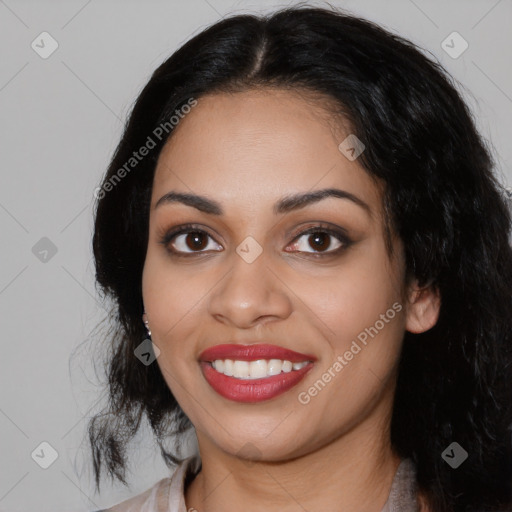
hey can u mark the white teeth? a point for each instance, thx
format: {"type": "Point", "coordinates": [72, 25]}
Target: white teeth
{"type": "Point", "coordinates": [287, 366]}
{"type": "Point", "coordinates": [274, 367]}
{"type": "Point", "coordinates": [258, 369]}
{"type": "Point", "coordinates": [255, 369]}
{"type": "Point", "coordinates": [219, 365]}
{"type": "Point", "coordinates": [241, 369]}
{"type": "Point", "coordinates": [228, 367]}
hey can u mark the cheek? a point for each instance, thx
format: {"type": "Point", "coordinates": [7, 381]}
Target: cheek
{"type": "Point", "coordinates": [175, 298]}
{"type": "Point", "coordinates": [357, 294]}
{"type": "Point", "coordinates": [170, 292]}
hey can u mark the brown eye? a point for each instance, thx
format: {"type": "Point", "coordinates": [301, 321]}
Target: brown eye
{"type": "Point", "coordinates": [196, 240]}
{"type": "Point", "coordinates": [191, 241]}
{"type": "Point", "coordinates": [319, 241]}
{"type": "Point", "coordinates": [187, 240]}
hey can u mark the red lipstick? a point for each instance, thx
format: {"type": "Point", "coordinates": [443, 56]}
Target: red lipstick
{"type": "Point", "coordinates": [252, 390]}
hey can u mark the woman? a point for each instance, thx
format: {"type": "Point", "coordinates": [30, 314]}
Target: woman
{"type": "Point", "coordinates": [305, 220]}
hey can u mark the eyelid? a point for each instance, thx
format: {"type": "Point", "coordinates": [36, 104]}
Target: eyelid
{"type": "Point", "coordinates": [323, 227]}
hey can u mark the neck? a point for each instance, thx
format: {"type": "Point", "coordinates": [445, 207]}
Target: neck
{"type": "Point", "coordinates": [355, 469]}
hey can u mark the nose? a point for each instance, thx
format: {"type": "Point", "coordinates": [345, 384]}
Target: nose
{"type": "Point", "coordinates": [250, 294]}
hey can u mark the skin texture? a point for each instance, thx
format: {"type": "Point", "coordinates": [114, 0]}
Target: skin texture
{"type": "Point", "coordinates": [246, 151]}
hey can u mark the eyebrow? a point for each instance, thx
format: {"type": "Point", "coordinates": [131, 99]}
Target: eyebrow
{"type": "Point", "coordinates": [284, 205]}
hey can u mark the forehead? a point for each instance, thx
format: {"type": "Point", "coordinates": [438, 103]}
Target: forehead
{"type": "Point", "coordinates": [258, 145]}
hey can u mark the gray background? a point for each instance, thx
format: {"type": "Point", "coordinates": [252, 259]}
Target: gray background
{"type": "Point", "coordinates": [60, 120]}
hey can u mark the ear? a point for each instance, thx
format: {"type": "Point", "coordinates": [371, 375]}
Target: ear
{"type": "Point", "coordinates": [423, 308]}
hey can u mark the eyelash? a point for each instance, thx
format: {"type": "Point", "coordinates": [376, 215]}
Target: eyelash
{"type": "Point", "coordinates": [168, 237]}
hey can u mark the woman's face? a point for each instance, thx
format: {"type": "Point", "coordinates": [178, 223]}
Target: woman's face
{"type": "Point", "coordinates": [251, 276]}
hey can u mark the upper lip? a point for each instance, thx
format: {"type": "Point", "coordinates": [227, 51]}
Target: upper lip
{"type": "Point", "coordinates": [253, 353]}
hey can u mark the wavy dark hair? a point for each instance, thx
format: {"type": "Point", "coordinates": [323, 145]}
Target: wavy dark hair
{"type": "Point", "coordinates": [441, 197]}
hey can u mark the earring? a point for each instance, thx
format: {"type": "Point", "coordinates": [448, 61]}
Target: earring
{"type": "Point", "coordinates": [146, 323]}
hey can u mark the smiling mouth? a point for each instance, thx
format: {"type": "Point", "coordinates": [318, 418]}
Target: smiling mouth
{"type": "Point", "coordinates": [253, 373]}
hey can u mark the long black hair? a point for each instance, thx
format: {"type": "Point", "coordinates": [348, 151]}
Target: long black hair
{"type": "Point", "coordinates": [441, 197]}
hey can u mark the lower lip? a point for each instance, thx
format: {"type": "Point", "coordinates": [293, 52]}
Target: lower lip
{"type": "Point", "coordinates": [252, 390]}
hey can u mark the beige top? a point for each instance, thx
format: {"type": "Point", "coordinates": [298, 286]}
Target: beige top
{"type": "Point", "coordinates": [167, 495]}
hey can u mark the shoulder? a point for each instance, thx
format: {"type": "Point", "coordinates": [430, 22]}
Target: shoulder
{"type": "Point", "coordinates": [164, 496]}
{"type": "Point", "coordinates": [155, 496]}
